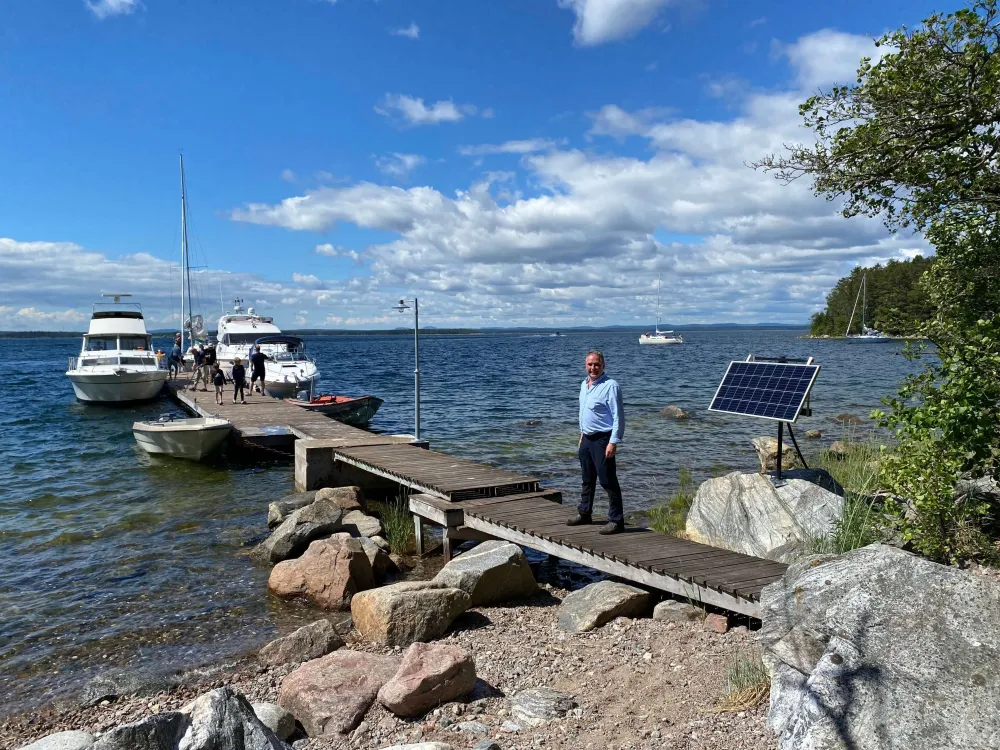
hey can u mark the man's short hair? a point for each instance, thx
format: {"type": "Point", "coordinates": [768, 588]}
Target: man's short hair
{"type": "Point", "coordinates": [598, 353]}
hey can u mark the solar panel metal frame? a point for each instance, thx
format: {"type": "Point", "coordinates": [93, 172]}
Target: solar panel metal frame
{"type": "Point", "coordinates": [805, 394]}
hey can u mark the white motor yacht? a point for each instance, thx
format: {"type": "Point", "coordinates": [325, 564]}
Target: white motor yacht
{"type": "Point", "coordinates": [288, 370]}
{"type": "Point", "coordinates": [116, 363]}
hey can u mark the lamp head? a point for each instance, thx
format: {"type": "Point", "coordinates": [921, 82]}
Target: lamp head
{"type": "Point", "coordinates": [402, 306]}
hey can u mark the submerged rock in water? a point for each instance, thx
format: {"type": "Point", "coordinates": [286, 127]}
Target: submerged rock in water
{"type": "Point", "coordinates": [848, 419]}
{"type": "Point", "coordinates": [814, 434]}
{"type": "Point", "coordinates": [747, 513]}
{"type": "Point", "coordinates": [879, 648]}
{"type": "Point", "coordinates": [674, 412]}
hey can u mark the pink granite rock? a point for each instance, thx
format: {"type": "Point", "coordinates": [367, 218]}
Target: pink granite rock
{"type": "Point", "coordinates": [330, 573]}
{"type": "Point", "coordinates": [430, 675]}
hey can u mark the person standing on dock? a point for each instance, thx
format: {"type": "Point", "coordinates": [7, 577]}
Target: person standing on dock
{"type": "Point", "coordinates": [174, 361]}
{"type": "Point", "coordinates": [201, 372]}
{"type": "Point", "coordinates": [239, 380]}
{"type": "Point", "coordinates": [257, 360]}
{"type": "Point", "coordinates": [602, 428]}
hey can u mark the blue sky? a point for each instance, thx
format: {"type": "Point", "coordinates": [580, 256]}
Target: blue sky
{"type": "Point", "coordinates": [511, 163]}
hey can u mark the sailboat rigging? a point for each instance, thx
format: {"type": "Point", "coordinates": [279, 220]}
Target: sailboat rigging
{"type": "Point", "coordinates": [658, 336]}
{"type": "Point", "coordinates": [867, 334]}
{"type": "Point", "coordinates": [195, 324]}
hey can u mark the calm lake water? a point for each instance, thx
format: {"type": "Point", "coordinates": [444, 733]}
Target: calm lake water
{"type": "Point", "coordinates": [111, 557]}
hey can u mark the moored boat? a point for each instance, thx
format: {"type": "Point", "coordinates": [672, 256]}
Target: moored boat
{"type": "Point", "coordinates": [182, 438]}
{"type": "Point", "coordinates": [354, 411]}
{"type": "Point", "coordinates": [116, 362]}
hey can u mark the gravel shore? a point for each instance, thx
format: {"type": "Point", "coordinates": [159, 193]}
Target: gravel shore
{"type": "Point", "coordinates": [638, 683]}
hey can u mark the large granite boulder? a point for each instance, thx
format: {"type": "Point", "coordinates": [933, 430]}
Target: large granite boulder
{"type": "Point", "coordinates": [279, 509]}
{"type": "Point", "coordinates": [275, 718]}
{"type": "Point", "coordinates": [431, 675]}
{"type": "Point", "coordinates": [330, 573]}
{"type": "Point", "coordinates": [490, 572]}
{"type": "Point", "coordinates": [219, 720]}
{"type": "Point", "coordinates": [358, 523]}
{"type": "Point", "coordinates": [881, 649]}
{"type": "Point", "coordinates": [405, 613]}
{"type": "Point", "coordinates": [332, 694]}
{"type": "Point", "coordinates": [600, 603]}
{"type": "Point", "coordinates": [305, 644]}
{"type": "Point", "coordinates": [71, 740]}
{"type": "Point", "coordinates": [747, 513]}
{"type": "Point", "coordinates": [767, 454]}
{"type": "Point", "coordinates": [301, 527]}
{"type": "Point", "coordinates": [345, 498]}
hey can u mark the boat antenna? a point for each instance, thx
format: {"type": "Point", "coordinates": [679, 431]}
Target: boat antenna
{"type": "Point", "coordinates": [185, 266]}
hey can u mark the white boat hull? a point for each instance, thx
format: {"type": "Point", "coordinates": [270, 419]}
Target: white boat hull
{"type": "Point", "coordinates": [112, 388]}
{"type": "Point", "coordinates": [183, 438]}
{"type": "Point", "coordinates": [287, 381]}
{"type": "Point", "coordinates": [654, 340]}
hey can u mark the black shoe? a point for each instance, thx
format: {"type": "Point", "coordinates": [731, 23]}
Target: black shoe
{"type": "Point", "coordinates": [580, 519]}
{"type": "Point", "coordinates": [612, 527]}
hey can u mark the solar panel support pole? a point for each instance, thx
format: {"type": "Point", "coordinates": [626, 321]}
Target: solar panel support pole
{"type": "Point", "coordinates": [777, 474]}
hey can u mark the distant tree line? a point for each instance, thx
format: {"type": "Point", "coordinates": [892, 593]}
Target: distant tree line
{"type": "Point", "coordinates": [895, 303]}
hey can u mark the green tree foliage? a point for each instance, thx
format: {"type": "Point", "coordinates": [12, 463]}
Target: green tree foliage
{"type": "Point", "coordinates": [916, 141]}
{"type": "Point", "coordinates": [896, 302]}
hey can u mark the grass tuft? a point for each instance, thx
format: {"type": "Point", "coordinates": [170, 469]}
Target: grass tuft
{"type": "Point", "coordinates": [670, 517]}
{"type": "Point", "coordinates": [397, 523]}
{"type": "Point", "coordinates": [747, 679]}
{"type": "Point", "coordinates": [858, 471]}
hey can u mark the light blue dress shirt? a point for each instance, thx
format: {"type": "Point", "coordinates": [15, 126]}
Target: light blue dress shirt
{"type": "Point", "coordinates": [601, 408]}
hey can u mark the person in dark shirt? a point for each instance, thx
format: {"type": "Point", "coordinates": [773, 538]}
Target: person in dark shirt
{"type": "Point", "coordinates": [174, 361]}
{"type": "Point", "coordinates": [257, 360]}
{"type": "Point", "coordinates": [239, 380]}
{"type": "Point", "coordinates": [219, 379]}
{"type": "Point", "coordinates": [208, 357]}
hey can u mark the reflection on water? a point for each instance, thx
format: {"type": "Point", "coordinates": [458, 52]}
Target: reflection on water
{"type": "Point", "coordinates": [111, 556]}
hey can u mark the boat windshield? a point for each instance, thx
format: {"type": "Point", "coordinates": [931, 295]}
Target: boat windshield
{"type": "Point", "coordinates": [289, 356]}
{"type": "Point", "coordinates": [149, 361]}
{"type": "Point", "coordinates": [237, 339]}
{"type": "Point", "coordinates": [134, 343]}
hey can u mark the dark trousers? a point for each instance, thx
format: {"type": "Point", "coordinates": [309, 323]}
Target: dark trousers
{"type": "Point", "coordinates": [597, 468]}
{"type": "Point", "coordinates": [238, 386]}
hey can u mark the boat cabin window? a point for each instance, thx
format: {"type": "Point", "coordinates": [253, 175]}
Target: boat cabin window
{"type": "Point", "coordinates": [149, 361]}
{"type": "Point", "coordinates": [238, 339]}
{"type": "Point", "coordinates": [94, 361]}
{"type": "Point", "coordinates": [101, 343]}
{"type": "Point", "coordinates": [131, 343]}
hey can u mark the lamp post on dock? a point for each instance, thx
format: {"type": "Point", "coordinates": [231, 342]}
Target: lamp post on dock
{"type": "Point", "coordinates": [403, 307]}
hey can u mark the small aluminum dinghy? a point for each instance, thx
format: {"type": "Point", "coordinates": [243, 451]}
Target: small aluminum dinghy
{"type": "Point", "coordinates": [184, 438]}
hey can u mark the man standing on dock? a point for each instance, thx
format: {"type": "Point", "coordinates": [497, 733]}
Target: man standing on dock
{"type": "Point", "coordinates": [602, 427]}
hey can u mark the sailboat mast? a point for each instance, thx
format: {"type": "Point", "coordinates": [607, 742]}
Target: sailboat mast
{"type": "Point", "coordinates": [864, 301]}
{"type": "Point", "coordinates": [657, 303]}
{"type": "Point", "coordinates": [185, 265]}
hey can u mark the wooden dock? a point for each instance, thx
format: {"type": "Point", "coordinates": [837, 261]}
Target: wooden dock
{"type": "Point", "coordinates": [471, 500]}
{"type": "Point", "coordinates": [272, 422]}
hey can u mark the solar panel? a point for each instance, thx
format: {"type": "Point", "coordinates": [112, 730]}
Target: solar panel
{"type": "Point", "coordinates": [770, 390]}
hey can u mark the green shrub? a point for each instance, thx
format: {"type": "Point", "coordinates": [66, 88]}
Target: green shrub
{"type": "Point", "coordinates": [858, 471]}
{"type": "Point", "coordinates": [670, 516]}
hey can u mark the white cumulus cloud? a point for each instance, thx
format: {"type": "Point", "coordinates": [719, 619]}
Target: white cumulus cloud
{"type": "Point", "coordinates": [527, 146]}
{"type": "Point", "coordinates": [104, 8]}
{"type": "Point", "coordinates": [399, 165]}
{"type": "Point", "coordinates": [829, 57]}
{"type": "Point", "coordinates": [415, 112]}
{"type": "Point", "coordinates": [600, 21]}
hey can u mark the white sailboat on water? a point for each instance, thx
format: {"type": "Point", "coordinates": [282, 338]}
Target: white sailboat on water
{"type": "Point", "coordinates": [658, 336]}
{"type": "Point", "coordinates": [867, 334]}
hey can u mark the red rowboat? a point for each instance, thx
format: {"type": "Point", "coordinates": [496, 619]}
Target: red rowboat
{"type": "Point", "coordinates": [355, 411]}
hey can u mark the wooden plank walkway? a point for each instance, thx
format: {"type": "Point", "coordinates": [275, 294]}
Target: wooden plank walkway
{"type": "Point", "coordinates": [268, 421]}
{"type": "Point", "coordinates": [464, 495]}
